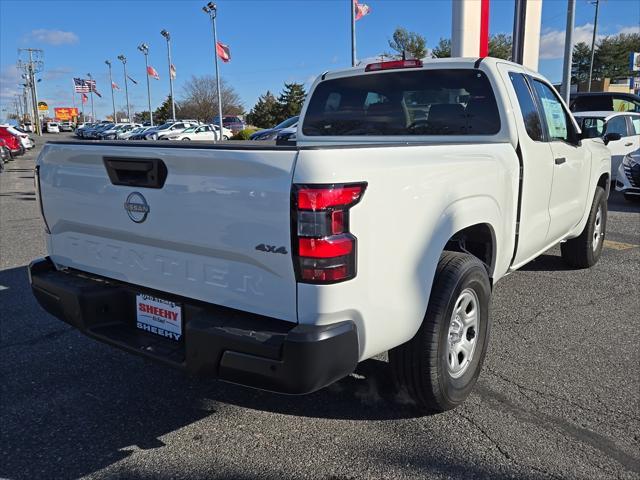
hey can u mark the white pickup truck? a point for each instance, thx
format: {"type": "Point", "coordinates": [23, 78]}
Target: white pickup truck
{"type": "Point", "coordinates": [412, 189]}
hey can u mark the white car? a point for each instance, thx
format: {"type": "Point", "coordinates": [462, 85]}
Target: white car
{"type": "Point", "coordinates": [25, 140]}
{"type": "Point", "coordinates": [628, 176]}
{"type": "Point", "coordinates": [604, 124]}
{"type": "Point", "coordinates": [53, 127]}
{"type": "Point", "coordinates": [202, 133]}
{"type": "Point", "coordinates": [413, 188]}
{"type": "Point", "coordinates": [119, 128]}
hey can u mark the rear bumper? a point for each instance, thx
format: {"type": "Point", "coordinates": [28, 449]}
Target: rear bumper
{"type": "Point", "coordinates": [219, 342]}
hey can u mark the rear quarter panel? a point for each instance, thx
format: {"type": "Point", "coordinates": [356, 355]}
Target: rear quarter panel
{"type": "Point", "coordinates": [417, 197]}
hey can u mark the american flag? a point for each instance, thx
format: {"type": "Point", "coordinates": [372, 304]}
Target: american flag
{"type": "Point", "coordinates": [92, 87]}
{"type": "Point", "coordinates": [81, 85]}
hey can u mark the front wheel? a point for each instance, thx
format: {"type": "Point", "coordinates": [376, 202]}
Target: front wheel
{"type": "Point", "coordinates": [585, 250]}
{"type": "Point", "coordinates": [186, 139]}
{"type": "Point", "coordinates": [225, 137]}
{"type": "Point", "coordinates": [439, 366]}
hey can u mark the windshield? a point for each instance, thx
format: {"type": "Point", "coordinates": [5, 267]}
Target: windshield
{"type": "Point", "coordinates": [165, 126]}
{"type": "Point", "coordinates": [287, 123]}
{"type": "Point", "coordinates": [423, 102]}
{"type": "Point", "coordinates": [592, 127]}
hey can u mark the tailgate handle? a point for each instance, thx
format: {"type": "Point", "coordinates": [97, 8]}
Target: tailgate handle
{"type": "Point", "coordinates": [136, 172]}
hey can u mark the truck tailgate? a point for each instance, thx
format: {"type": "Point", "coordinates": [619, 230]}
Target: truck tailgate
{"type": "Point", "coordinates": [195, 236]}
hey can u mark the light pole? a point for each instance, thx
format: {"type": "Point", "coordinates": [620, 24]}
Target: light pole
{"type": "Point", "coordinates": [593, 43]}
{"type": "Point", "coordinates": [167, 35]}
{"type": "Point", "coordinates": [91, 89]}
{"type": "Point", "coordinates": [113, 100]}
{"type": "Point", "coordinates": [123, 59]}
{"type": "Point", "coordinates": [212, 10]}
{"type": "Point", "coordinates": [144, 48]}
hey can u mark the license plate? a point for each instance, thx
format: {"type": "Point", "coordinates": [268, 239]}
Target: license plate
{"type": "Point", "coordinates": [159, 316]}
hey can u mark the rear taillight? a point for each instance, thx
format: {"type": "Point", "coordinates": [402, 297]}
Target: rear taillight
{"type": "Point", "coordinates": [36, 181]}
{"type": "Point", "coordinates": [324, 249]}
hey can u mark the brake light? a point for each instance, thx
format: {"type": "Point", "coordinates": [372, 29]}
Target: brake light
{"type": "Point", "coordinates": [373, 67]}
{"type": "Point", "coordinates": [325, 251]}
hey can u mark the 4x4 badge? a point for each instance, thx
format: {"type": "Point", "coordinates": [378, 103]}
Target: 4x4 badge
{"type": "Point", "coordinates": [271, 249]}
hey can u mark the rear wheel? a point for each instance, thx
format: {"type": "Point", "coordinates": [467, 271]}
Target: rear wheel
{"type": "Point", "coordinates": [186, 139]}
{"type": "Point", "coordinates": [439, 366]}
{"type": "Point", "coordinates": [585, 250]}
{"type": "Point", "coordinates": [225, 137]}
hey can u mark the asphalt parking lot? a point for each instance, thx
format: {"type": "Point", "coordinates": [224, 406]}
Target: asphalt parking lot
{"type": "Point", "coordinates": [559, 396]}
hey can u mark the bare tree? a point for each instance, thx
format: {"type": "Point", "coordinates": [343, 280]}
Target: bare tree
{"type": "Point", "coordinates": [200, 100]}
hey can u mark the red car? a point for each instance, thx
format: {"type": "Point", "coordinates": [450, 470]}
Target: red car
{"type": "Point", "coordinates": [13, 142]}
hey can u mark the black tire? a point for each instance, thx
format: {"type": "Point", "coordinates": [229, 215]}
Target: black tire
{"type": "Point", "coordinates": [632, 198]}
{"type": "Point", "coordinates": [420, 366]}
{"type": "Point", "coordinates": [580, 252]}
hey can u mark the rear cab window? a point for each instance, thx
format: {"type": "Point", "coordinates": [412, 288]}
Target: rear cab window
{"type": "Point", "coordinates": [402, 103]}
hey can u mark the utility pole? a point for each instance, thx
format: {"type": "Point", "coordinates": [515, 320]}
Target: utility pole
{"type": "Point", "coordinates": [167, 35]}
{"type": "Point", "coordinates": [593, 42]}
{"type": "Point", "coordinates": [212, 10]}
{"type": "Point", "coordinates": [568, 50]}
{"type": "Point", "coordinates": [113, 98]}
{"type": "Point", "coordinates": [144, 48]}
{"type": "Point", "coordinates": [33, 65]}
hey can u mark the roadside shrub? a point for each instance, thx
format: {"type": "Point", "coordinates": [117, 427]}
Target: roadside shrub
{"type": "Point", "coordinates": [244, 134]}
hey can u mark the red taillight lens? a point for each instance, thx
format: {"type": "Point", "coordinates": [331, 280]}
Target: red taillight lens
{"type": "Point", "coordinates": [325, 250]}
{"type": "Point", "coordinates": [373, 67]}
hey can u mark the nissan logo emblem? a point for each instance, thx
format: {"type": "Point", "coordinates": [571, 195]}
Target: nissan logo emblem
{"type": "Point", "coordinates": [137, 207]}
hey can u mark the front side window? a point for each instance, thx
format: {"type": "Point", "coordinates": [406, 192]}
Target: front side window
{"type": "Point", "coordinates": [422, 102]}
{"type": "Point", "coordinates": [617, 125]}
{"type": "Point", "coordinates": [530, 115]}
{"type": "Point", "coordinates": [554, 114]}
{"type": "Point", "coordinates": [592, 127]}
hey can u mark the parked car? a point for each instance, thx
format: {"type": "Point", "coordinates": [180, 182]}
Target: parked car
{"type": "Point", "coordinates": [132, 133]}
{"type": "Point", "coordinates": [233, 123]}
{"type": "Point", "coordinates": [28, 126]}
{"type": "Point", "coordinates": [113, 132]}
{"type": "Point", "coordinates": [13, 142]}
{"type": "Point", "coordinates": [94, 133]}
{"type": "Point", "coordinates": [619, 130]}
{"type": "Point", "coordinates": [414, 189]}
{"type": "Point", "coordinates": [287, 136]}
{"type": "Point", "coordinates": [5, 151]}
{"type": "Point", "coordinates": [628, 176]}
{"type": "Point", "coordinates": [24, 138]}
{"type": "Point", "coordinates": [201, 133]}
{"type": "Point", "coordinates": [66, 127]}
{"type": "Point", "coordinates": [272, 133]}
{"type": "Point", "coordinates": [604, 102]}
{"type": "Point", "coordinates": [83, 127]}
{"type": "Point", "coordinates": [52, 127]}
{"type": "Point", "coordinates": [168, 129]}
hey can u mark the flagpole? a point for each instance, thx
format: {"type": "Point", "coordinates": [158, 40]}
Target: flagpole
{"type": "Point", "coordinates": [167, 35]}
{"type": "Point", "coordinates": [93, 115]}
{"type": "Point", "coordinates": [73, 98]}
{"type": "Point", "coordinates": [353, 34]}
{"type": "Point", "coordinates": [113, 99]}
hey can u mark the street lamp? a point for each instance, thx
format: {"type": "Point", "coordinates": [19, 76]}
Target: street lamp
{"type": "Point", "coordinates": [167, 35]}
{"type": "Point", "coordinates": [211, 9]}
{"type": "Point", "coordinates": [123, 59]}
{"type": "Point", "coordinates": [144, 48]}
{"type": "Point", "coordinates": [113, 100]}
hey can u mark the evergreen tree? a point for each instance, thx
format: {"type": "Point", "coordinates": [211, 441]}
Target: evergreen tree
{"type": "Point", "coordinates": [443, 49]}
{"type": "Point", "coordinates": [163, 112]}
{"type": "Point", "coordinates": [612, 56]}
{"type": "Point", "coordinates": [412, 43]}
{"type": "Point", "coordinates": [290, 101]}
{"type": "Point", "coordinates": [500, 46]}
{"type": "Point", "coordinates": [580, 62]}
{"type": "Point", "coordinates": [265, 112]}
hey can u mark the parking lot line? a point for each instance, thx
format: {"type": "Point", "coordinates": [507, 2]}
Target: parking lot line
{"type": "Point", "coordinates": [619, 245]}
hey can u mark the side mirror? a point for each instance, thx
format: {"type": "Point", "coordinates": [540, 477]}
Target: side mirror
{"type": "Point", "coordinates": [611, 137]}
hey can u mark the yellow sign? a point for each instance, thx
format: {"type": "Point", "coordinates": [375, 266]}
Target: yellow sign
{"type": "Point", "coordinates": [42, 106]}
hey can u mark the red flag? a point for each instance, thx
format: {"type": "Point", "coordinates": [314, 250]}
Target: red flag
{"type": "Point", "coordinates": [172, 71]}
{"type": "Point", "coordinates": [85, 98]}
{"type": "Point", "coordinates": [115, 85]}
{"type": "Point", "coordinates": [223, 52]}
{"type": "Point", "coordinates": [152, 72]}
{"type": "Point", "coordinates": [361, 9]}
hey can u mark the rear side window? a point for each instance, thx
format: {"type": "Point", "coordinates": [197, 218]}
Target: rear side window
{"type": "Point", "coordinates": [635, 122]}
{"type": "Point", "coordinates": [530, 114]}
{"type": "Point", "coordinates": [423, 102]}
{"type": "Point", "coordinates": [592, 127]}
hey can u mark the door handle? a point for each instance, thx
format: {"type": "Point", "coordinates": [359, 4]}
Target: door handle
{"type": "Point", "coordinates": [628, 144]}
{"type": "Point", "coordinates": [560, 161]}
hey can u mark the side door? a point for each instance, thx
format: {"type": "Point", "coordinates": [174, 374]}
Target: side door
{"type": "Point", "coordinates": [572, 163]}
{"type": "Point", "coordinates": [205, 133]}
{"type": "Point", "coordinates": [619, 148]}
{"type": "Point", "coordinates": [536, 166]}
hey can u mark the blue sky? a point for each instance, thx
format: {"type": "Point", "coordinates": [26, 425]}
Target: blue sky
{"type": "Point", "coordinates": [271, 42]}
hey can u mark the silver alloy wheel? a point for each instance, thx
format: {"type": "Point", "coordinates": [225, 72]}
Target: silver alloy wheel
{"type": "Point", "coordinates": [463, 332]}
{"type": "Point", "coordinates": [597, 229]}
